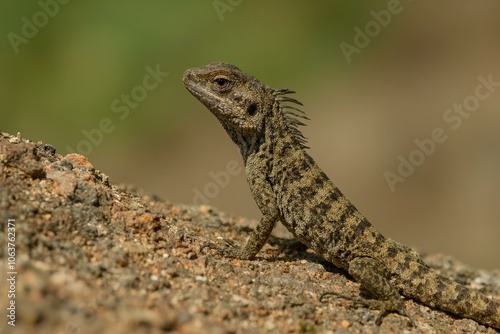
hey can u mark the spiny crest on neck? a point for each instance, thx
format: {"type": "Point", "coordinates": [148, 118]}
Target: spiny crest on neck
{"type": "Point", "coordinates": [292, 114]}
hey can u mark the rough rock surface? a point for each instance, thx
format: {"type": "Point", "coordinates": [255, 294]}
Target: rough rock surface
{"type": "Point", "coordinates": [92, 257]}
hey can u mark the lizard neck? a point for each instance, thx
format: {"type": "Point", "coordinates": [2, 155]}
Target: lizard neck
{"type": "Point", "coordinates": [273, 142]}
{"type": "Point", "coordinates": [249, 145]}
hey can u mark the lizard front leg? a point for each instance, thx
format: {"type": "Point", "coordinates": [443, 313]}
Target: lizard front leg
{"type": "Point", "coordinates": [264, 197]}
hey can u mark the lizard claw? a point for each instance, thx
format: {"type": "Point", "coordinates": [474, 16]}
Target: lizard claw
{"type": "Point", "coordinates": [331, 293]}
{"type": "Point", "coordinates": [232, 251]}
{"type": "Point", "coordinates": [209, 245]}
{"type": "Point", "coordinates": [220, 250]}
{"type": "Point", "coordinates": [230, 243]}
{"type": "Point", "coordinates": [372, 304]}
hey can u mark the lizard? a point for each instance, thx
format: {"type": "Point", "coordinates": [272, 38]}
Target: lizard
{"type": "Point", "coordinates": [288, 186]}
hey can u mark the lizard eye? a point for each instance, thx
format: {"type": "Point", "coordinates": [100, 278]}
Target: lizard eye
{"type": "Point", "coordinates": [221, 83]}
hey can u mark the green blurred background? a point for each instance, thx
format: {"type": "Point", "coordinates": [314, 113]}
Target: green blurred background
{"type": "Point", "coordinates": [60, 79]}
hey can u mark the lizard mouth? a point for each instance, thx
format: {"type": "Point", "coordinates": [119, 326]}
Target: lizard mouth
{"type": "Point", "coordinates": [198, 90]}
{"type": "Point", "coordinates": [189, 80]}
{"type": "Point", "coordinates": [211, 100]}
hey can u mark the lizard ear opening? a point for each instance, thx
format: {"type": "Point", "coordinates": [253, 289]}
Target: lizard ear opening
{"type": "Point", "coordinates": [252, 109]}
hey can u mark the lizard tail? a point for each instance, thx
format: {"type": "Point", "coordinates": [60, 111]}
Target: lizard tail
{"type": "Point", "coordinates": [438, 291]}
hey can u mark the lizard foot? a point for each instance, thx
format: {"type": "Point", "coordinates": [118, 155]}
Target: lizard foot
{"type": "Point", "coordinates": [384, 306]}
{"type": "Point", "coordinates": [232, 251]}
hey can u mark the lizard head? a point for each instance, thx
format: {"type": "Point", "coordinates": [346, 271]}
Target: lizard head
{"type": "Point", "coordinates": [239, 101]}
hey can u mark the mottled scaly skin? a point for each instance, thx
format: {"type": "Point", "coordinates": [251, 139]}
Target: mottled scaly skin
{"type": "Point", "coordinates": [289, 187]}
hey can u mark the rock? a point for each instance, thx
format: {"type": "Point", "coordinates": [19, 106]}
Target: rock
{"type": "Point", "coordinates": [93, 257]}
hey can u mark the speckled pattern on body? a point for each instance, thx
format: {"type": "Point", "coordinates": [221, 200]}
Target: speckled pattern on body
{"type": "Point", "coordinates": [288, 186]}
